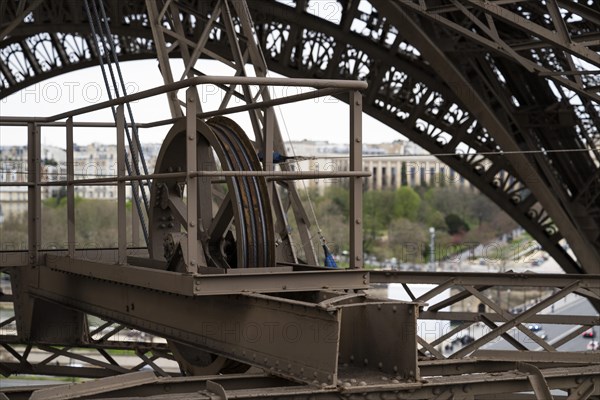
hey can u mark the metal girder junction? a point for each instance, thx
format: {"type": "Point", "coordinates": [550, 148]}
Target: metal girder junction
{"type": "Point", "coordinates": [81, 284]}
{"type": "Point", "coordinates": [582, 382]}
{"type": "Point", "coordinates": [405, 93]}
{"type": "Point", "coordinates": [303, 337]}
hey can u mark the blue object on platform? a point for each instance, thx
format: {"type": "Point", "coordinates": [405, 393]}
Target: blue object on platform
{"type": "Point", "coordinates": [329, 261]}
{"type": "Point", "coordinates": [277, 157]}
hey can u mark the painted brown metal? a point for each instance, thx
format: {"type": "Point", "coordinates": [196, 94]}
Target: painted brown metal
{"type": "Point", "coordinates": [217, 282]}
{"type": "Point", "coordinates": [301, 338]}
{"type": "Point", "coordinates": [497, 384]}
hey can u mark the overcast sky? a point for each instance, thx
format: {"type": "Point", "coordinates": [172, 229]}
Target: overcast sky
{"type": "Point", "coordinates": [318, 119]}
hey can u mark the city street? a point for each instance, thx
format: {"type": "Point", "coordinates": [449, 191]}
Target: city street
{"type": "Point", "coordinates": [577, 306]}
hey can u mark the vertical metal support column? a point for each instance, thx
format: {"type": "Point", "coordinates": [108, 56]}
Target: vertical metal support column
{"type": "Point", "coordinates": [135, 217]}
{"type": "Point", "coordinates": [356, 234]}
{"type": "Point", "coordinates": [192, 181]}
{"type": "Point", "coordinates": [34, 194]}
{"type": "Point", "coordinates": [70, 190]}
{"type": "Point", "coordinates": [155, 19]}
{"type": "Point", "coordinates": [268, 146]}
{"type": "Point", "coordinates": [135, 226]}
{"type": "Point", "coordinates": [432, 249]}
{"type": "Point", "coordinates": [122, 223]}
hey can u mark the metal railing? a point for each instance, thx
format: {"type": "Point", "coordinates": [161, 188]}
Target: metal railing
{"type": "Point", "coordinates": [322, 88]}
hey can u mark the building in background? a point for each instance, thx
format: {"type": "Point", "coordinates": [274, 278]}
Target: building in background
{"type": "Point", "coordinates": [392, 165]}
{"type": "Point", "coordinates": [91, 161]}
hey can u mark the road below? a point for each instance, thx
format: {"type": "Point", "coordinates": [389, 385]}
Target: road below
{"type": "Point", "coordinates": [555, 332]}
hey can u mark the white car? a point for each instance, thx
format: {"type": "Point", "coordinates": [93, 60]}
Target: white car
{"type": "Point", "coordinates": [542, 334]}
{"type": "Point", "coordinates": [592, 345]}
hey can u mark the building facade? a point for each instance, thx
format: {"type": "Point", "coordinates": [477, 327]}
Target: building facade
{"type": "Point", "coordinates": [95, 160]}
{"type": "Point", "coordinates": [391, 165]}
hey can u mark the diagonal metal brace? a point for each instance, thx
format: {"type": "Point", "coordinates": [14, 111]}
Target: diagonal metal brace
{"type": "Point", "coordinates": [537, 380]}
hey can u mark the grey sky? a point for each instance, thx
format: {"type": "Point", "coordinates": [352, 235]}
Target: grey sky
{"type": "Point", "coordinates": [319, 119]}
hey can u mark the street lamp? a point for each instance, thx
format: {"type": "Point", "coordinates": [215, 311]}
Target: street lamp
{"type": "Point", "coordinates": [432, 248]}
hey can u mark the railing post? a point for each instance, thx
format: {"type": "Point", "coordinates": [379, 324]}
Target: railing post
{"type": "Point", "coordinates": [192, 181]}
{"type": "Point", "coordinates": [268, 146]}
{"type": "Point", "coordinates": [356, 225]}
{"type": "Point", "coordinates": [34, 164]}
{"type": "Point", "coordinates": [135, 189]}
{"type": "Point", "coordinates": [122, 223]}
{"type": "Point", "coordinates": [70, 190]}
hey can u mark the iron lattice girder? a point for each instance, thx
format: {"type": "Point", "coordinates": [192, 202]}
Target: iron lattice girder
{"type": "Point", "coordinates": [435, 120]}
{"type": "Point", "coordinates": [545, 183]}
{"type": "Point", "coordinates": [427, 126]}
{"type": "Point", "coordinates": [489, 24]}
{"type": "Point", "coordinates": [525, 280]}
{"type": "Point", "coordinates": [303, 337]}
{"type": "Point", "coordinates": [212, 284]}
{"type": "Point", "coordinates": [419, 116]}
{"type": "Point", "coordinates": [502, 28]}
{"type": "Point", "coordinates": [498, 382]}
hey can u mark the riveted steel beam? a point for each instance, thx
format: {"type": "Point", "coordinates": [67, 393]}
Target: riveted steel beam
{"type": "Point", "coordinates": [261, 280]}
{"type": "Point", "coordinates": [293, 337]}
{"type": "Point", "coordinates": [487, 383]}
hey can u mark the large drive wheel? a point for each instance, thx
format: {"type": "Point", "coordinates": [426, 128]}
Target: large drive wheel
{"type": "Point", "coordinates": [235, 228]}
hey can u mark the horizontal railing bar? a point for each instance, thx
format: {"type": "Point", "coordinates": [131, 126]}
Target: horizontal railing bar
{"type": "Point", "coordinates": [198, 80]}
{"type": "Point", "coordinates": [270, 103]}
{"type": "Point", "coordinates": [273, 175]}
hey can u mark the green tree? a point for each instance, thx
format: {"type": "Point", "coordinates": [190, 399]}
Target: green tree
{"type": "Point", "coordinates": [403, 175]}
{"type": "Point", "coordinates": [456, 224]}
{"type": "Point", "coordinates": [378, 209]}
{"type": "Point", "coordinates": [407, 239]}
{"type": "Point", "coordinates": [406, 203]}
{"type": "Point", "coordinates": [340, 200]}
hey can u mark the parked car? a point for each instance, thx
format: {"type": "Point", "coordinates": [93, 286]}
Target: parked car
{"type": "Point", "coordinates": [541, 334]}
{"type": "Point", "coordinates": [537, 262]}
{"type": "Point", "coordinates": [589, 333]}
